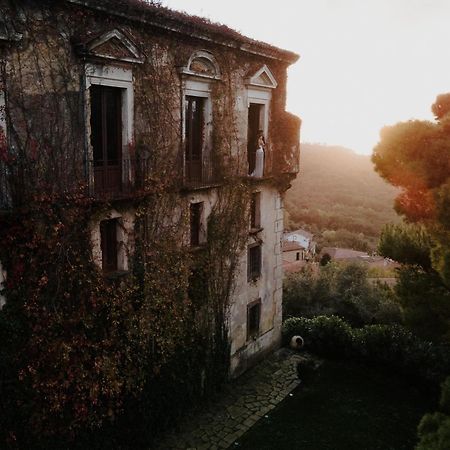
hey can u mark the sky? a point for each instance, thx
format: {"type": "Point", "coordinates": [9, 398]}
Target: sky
{"type": "Point", "coordinates": [363, 64]}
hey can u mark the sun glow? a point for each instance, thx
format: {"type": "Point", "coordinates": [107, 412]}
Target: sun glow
{"type": "Point", "coordinates": [363, 64]}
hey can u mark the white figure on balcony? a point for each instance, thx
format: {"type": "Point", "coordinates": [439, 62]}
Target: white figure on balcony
{"type": "Point", "coordinates": [258, 172]}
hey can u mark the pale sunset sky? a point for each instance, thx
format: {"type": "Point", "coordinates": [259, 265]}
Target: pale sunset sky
{"type": "Point", "coordinates": [363, 63]}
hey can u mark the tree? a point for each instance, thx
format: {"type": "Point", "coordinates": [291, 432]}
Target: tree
{"type": "Point", "coordinates": [339, 289]}
{"type": "Point", "coordinates": [434, 428]}
{"type": "Point", "coordinates": [415, 156]}
{"type": "Point", "coordinates": [406, 244]}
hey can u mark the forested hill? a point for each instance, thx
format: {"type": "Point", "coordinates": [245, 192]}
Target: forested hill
{"type": "Point", "coordinates": [339, 197]}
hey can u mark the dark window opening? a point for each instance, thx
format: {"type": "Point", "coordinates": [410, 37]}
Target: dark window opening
{"type": "Point", "coordinates": [196, 210]}
{"type": "Point", "coordinates": [298, 256]}
{"type": "Point", "coordinates": [255, 210]}
{"type": "Point", "coordinates": [106, 137]}
{"type": "Point", "coordinates": [254, 263]}
{"type": "Point", "coordinates": [253, 319]}
{"type": "Point", "coordinates": [255, 111]}
{"type": "Point", "coordinates": [195, 121]}
{"type": "Point", "coordinates": [108, 240]}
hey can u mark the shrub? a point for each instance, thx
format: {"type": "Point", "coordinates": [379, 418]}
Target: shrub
{"type": "Point", "coordinates": [389, 345]}
{"type": "Point", "coordinates": [434, 428]}
{"type": "Point", "coordinates": [328, 335]}
{"type": "Point", "coordinates": [342, 290]}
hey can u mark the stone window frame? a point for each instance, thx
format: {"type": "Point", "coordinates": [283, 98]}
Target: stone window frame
{"type": "Point", "coordinates": [261, 94]}
{"type": "Point", "coordinates": [255, 212]}
{"type": "Point", "coordinates": [202, 89]}
{"type": "Point", "coordinates": [195, 84]}
{"type": "Point", "coordinates": [254, 275]}
{"type": "Point", "coordinates": [123, 242]}
{"type": "Point", "coordinates": [263, 97]}
{"type": "Point", "coordinates": [254, 330]}
{"type": "Point", "coordinates": [117, 77]}
{"type": "Point", "coordinates": [211, 61]}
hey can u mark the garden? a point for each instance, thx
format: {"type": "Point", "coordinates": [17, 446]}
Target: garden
{"type": "Point", "coordinates": [371, 387]}
{"type": "Point", "coordinates": [344, 406]}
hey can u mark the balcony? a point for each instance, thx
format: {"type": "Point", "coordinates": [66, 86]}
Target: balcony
{"type": "Point", "coordinates": [200, 173]}
{"type": "Point", "coordinates": [118, 179]}
{"type": "Point", "coordinates": [124, 179]}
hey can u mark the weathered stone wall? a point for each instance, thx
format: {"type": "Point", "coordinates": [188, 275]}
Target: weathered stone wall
{"type": "Point", "coordinates": [268, 287]}
{"type": "Point", "coordinates": [46, 110]}
{"type": "Point", "coordinates": [44, 77]}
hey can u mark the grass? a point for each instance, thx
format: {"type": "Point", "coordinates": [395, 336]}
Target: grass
{"type": "Point", "coordinates": [344, 406]}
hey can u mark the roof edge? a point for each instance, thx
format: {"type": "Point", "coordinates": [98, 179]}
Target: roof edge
{"type": "Point", "coordinates": [241, 43]}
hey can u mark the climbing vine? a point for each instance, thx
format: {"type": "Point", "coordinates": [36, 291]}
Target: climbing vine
{"type": "Point", "coordinates": [81, 350]}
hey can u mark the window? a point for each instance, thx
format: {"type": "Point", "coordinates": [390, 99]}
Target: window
{"type": "Point", "coordinates": [259, 95]}
{"type": "Point", "coordinates": [253, 319]}
{"type": "Point", "coordinates": [297, 256]}
{"type": "Point", "coordinates": [109, 100]}
{"type": "Point", "coordinates": [254, 262]}
{"type": "Point", "coordinates": [194, 129]}
{"type": "Point", "coordinates": [196, 212]}
{"type": "Point", "coordinates": [111, 243]}
{"type": "Point", "coordinates": [255, 211]}
{"type": "Point", "coordinates": [109, 247]}
{"type": "Point", "coordinates": [106, 137]}
{"type": "Point", "coordinates": [198, 78]}
{"type": "Point", "coordinates": [255, 126]}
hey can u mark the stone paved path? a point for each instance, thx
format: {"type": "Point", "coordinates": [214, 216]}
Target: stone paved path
{"type": "Point", "coordinates": [243, 402]}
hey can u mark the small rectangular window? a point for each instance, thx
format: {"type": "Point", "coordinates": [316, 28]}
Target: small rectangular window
{"type": "Point", "coordinates": [196, 210]}
{"type": "Point", "coordinates": [298, 256]}
{"type": "Point", "coordinates": [109, 247]}
{"type": "Point", "coordinates": [253, 319]}
{"type": "Point", "coordinates": [254, 262]}
{"type": "Point", "coordinates": [255, 210]}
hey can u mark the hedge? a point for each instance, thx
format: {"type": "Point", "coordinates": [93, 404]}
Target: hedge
{"type": "Point", "coordinates": [389, 345]}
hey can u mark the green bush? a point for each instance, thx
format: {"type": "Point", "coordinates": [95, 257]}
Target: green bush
{"type": "Point", "coordinates": [330, 334]}
{"type": "Point", "coordinates": [389, 345]}
{"type": "Point", "coordinates": [445, 396]}
{"type": "Point", "coordinates": [343, 290]}
{"type": "Point", "coordinates": [434, 428]}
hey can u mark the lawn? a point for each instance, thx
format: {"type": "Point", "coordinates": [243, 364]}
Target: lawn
{"type": "Point", "coordinates": [344, 406]}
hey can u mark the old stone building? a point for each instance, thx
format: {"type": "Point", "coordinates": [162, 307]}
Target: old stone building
{"type": "Point", "coordinates": [120, 104]}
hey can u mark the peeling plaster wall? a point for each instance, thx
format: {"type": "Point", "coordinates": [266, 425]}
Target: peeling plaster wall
{"type": "Point", "coordinates": [268, 288]}
{"type": "Point", "coordinates": [124, 238]}
{"type": "Point", "coordinates": [163, 58]}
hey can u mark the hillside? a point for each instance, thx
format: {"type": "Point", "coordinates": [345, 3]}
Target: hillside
{"type": "Point", "coordinates": [339, 197]}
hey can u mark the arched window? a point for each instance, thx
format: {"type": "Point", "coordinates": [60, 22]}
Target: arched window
{"type": "Point", "coordinates": [202, 64]}
{"type": "Point", "coordinates": [200, 72]}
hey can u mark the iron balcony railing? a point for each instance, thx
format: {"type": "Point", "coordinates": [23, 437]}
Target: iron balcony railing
{"type": "Point", "coordinates": [201, 172]}
{"type": "Point", "coordinates": [118, 178]}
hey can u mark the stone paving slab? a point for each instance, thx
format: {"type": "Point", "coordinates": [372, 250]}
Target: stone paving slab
{"type": "Point", "coordinates": [243, 402]}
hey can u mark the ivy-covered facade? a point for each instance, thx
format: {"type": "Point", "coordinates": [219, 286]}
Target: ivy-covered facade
{"type": "Point", "coordinates": [144, 155]}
